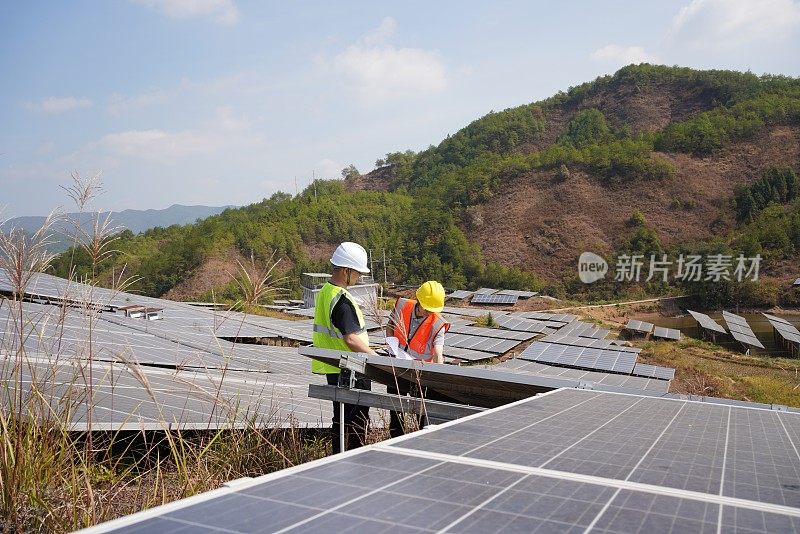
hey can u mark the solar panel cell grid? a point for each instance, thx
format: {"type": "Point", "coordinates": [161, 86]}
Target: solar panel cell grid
{"type": "Point", "coordinates": [494, 299]}
{"type": "Point", "coordinates": [570, 460]}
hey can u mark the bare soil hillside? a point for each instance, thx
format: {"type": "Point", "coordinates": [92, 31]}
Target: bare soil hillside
{"type": "Point", "coordinates": [542, 223]}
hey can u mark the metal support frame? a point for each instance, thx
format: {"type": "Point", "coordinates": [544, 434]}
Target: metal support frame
{"type": "Point", "coordinates": [435, 410]}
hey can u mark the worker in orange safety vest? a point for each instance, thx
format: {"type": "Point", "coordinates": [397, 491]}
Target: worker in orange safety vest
{"type": "Point", "coordinates": [420, 332]}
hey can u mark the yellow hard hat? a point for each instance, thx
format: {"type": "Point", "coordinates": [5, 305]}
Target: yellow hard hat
{"type": "Point", "coordinates": [430, 296]}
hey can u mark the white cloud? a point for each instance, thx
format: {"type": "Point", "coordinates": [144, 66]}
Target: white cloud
{"type": "Point", "coordinates": [224, 130]}
{"type": "Point", "coordinates": [734, 22]}
{"type": "Point", "coordinates": [622, 55]}
{"type": "Point", "coordinates": [55, 105]}
{"type": "Point", "coordinates": [119, 104]}
{"type": "Point", "coordinates": [379, 72]}
{"type": "Point", "coordinates": [380, 34]}
{"type": "Point", "coordinates": [221, 11]}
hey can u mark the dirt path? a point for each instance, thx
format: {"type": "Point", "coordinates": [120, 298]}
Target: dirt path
{"type": "Point", "coordinates": [626, 303]}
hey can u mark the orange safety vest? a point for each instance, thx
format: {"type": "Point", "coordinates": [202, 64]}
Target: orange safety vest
{"type": "Point", "coordinates": [420, 346]}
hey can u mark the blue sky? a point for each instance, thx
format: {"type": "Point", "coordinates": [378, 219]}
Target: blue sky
{"type": "Point", "coordinates": [225, 102]}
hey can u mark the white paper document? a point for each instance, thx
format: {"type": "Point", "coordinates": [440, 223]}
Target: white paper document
{"type": "Point", "coordinates": [394, 349]}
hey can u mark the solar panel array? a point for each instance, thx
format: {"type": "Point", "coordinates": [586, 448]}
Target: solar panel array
{"type": "Point", "coordinates": [617, 361]}
{"type": "Point", "coordinates": [563, 318]}
{"type": "Point", "coordinates": [459, 294]}
{"type": "Point", "coordinates": [518, 293]}
{"type": "Point", "coordinates": [784, 328]}
{"type": "Point", "coordinates": [131, 397]}
{"type": "Point", "coordinates": [582, 329]}
{"type": "Point", "coordinates": [494, 299]}
{"type": "Point", "coordinates": [523, 325]}
{"type": "Point", "coordinates": [707, 322]}
{"type": "Point", "coordinates": [485, 344]}
{"type": "Point", "coordinates": [740, 330]}
{"type": "Point", "coordinates": [667, 333]}
{"type": "Point", "coordinates": [491, 332]}
{"type": "Point", "coordinates": [570, 460]}
{"type": "Point", "coordinates": [189, 342]}
{"type": "Point", "coordinates": [565, 339]}
{"type": "Point", "coordinates": [654, 371]}
{"type": "Point", "coordinates": [470, 312]}
{"type": "Point", "coordinates": [486, 291]}
{"type": "Point", "coordinates": [640, 382]}
{"type": "Point", "coordinates": [641, 327]}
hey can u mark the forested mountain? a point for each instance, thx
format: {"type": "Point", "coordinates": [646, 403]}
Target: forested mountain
{"type": "Point", "coordinates": [651, 159]}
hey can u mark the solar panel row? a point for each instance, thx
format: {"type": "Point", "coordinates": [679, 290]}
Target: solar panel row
{"type": "Point", "coordinates": [646, 383]}
{"type": "Point", "coordinates": [582, 357]}
{"type": "Point", "coordinates": [569, 460]}
{"type": "Point", "coordinates": [494, 299]}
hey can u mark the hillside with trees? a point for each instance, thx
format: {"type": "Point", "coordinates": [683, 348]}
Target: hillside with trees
{"type": "Point", "coordinates": [707, 159]}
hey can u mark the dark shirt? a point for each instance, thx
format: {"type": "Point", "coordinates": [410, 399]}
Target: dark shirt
{"type": "Point", "coordinates": [344, 317]}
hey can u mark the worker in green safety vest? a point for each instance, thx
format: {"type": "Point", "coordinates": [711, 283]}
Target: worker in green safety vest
{"type": "Point", "coordinates": [339, 325]}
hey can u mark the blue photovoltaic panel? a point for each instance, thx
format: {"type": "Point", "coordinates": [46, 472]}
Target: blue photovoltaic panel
{"type": "Point", "coordinates": [520, 294]}
{"type": "Point", "coordinates": [459, 294]}
{"type": "Point", "coordinates": [486, 291]}
{"type": "Point", "coordinates": [581, 357]}
{"type": "Point", "coordinates": [571, 460]}
{"type": "Point", "coordinates": [494, 299]}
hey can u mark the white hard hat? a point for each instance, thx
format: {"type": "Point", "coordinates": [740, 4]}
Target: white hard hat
{"type": "Point", "coordinates": [351, 255]}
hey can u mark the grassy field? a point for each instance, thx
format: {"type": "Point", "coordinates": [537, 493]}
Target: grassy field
{"type": "Point", "coordinates": [705, 369]}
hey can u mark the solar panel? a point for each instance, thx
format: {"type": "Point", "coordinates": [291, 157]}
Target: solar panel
{"type": "Point", "coordinates": [561, 339]}
{"type": "Point", "coordinates": [707, 322]}
{"type": "Point", "coordinates": [667, 333]}
{"type": "Point", "coordinates": [470, 312]}
{"type": "Point", "coordinates": [459, 294]}
{"type": "Point", "coordinates": [491, 332]}
{"type": "Point", "coordinates": [641, 327]}
{"type": "Point", "coordinates": [522, 325]}
{"type": "Point", "coordinates": [646, 383]}
{"type": "Point", "coordinates": [155, 398]}
{"type": "Point", "coordinates": [516, 293]}
{"type": "Point", "coordinates": [610, 360]}
{"type": "Point", "coordinates": [654, 371]}
{"type": "Point", "coordinates": [486, 291]}
{"type": "Point", "coordinates": [784, 328]}
{"type": "Point", "coordinates": [740, 330]}
{"type": "Point", "coordinates": [570, 460]}
{"type": "Point", "coordinates": [190, 342]}
{"type": "Point", "coordinates": [545, 316]}
{"type": "Point", "coordinates": [583, 329]}
{"type": "Point", "coordinates": [494, 299]}
{"type": "Point", "coordinates": [796, 282]}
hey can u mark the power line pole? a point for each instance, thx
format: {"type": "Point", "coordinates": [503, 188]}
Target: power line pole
{"type": "Point", "coordinates": [385, 278]}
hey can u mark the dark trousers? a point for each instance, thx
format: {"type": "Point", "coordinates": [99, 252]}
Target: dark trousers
{"type": "Point", "coordinates": [356, 418]}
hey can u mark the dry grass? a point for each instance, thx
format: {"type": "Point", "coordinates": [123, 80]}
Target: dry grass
{"type": "Point", "coordinates": [53, 479]}
{"type": "Point", "coordinates": [705, 369]}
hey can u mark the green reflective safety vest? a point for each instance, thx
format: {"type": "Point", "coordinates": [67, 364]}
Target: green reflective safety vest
{"type": "Point", "coordinates": [327, 336]}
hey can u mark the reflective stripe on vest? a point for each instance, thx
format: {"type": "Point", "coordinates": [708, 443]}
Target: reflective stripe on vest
{"type": "Point", "coordinates": [327, 336]}
{"type": "Point", "coordinates": [420, 345]}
